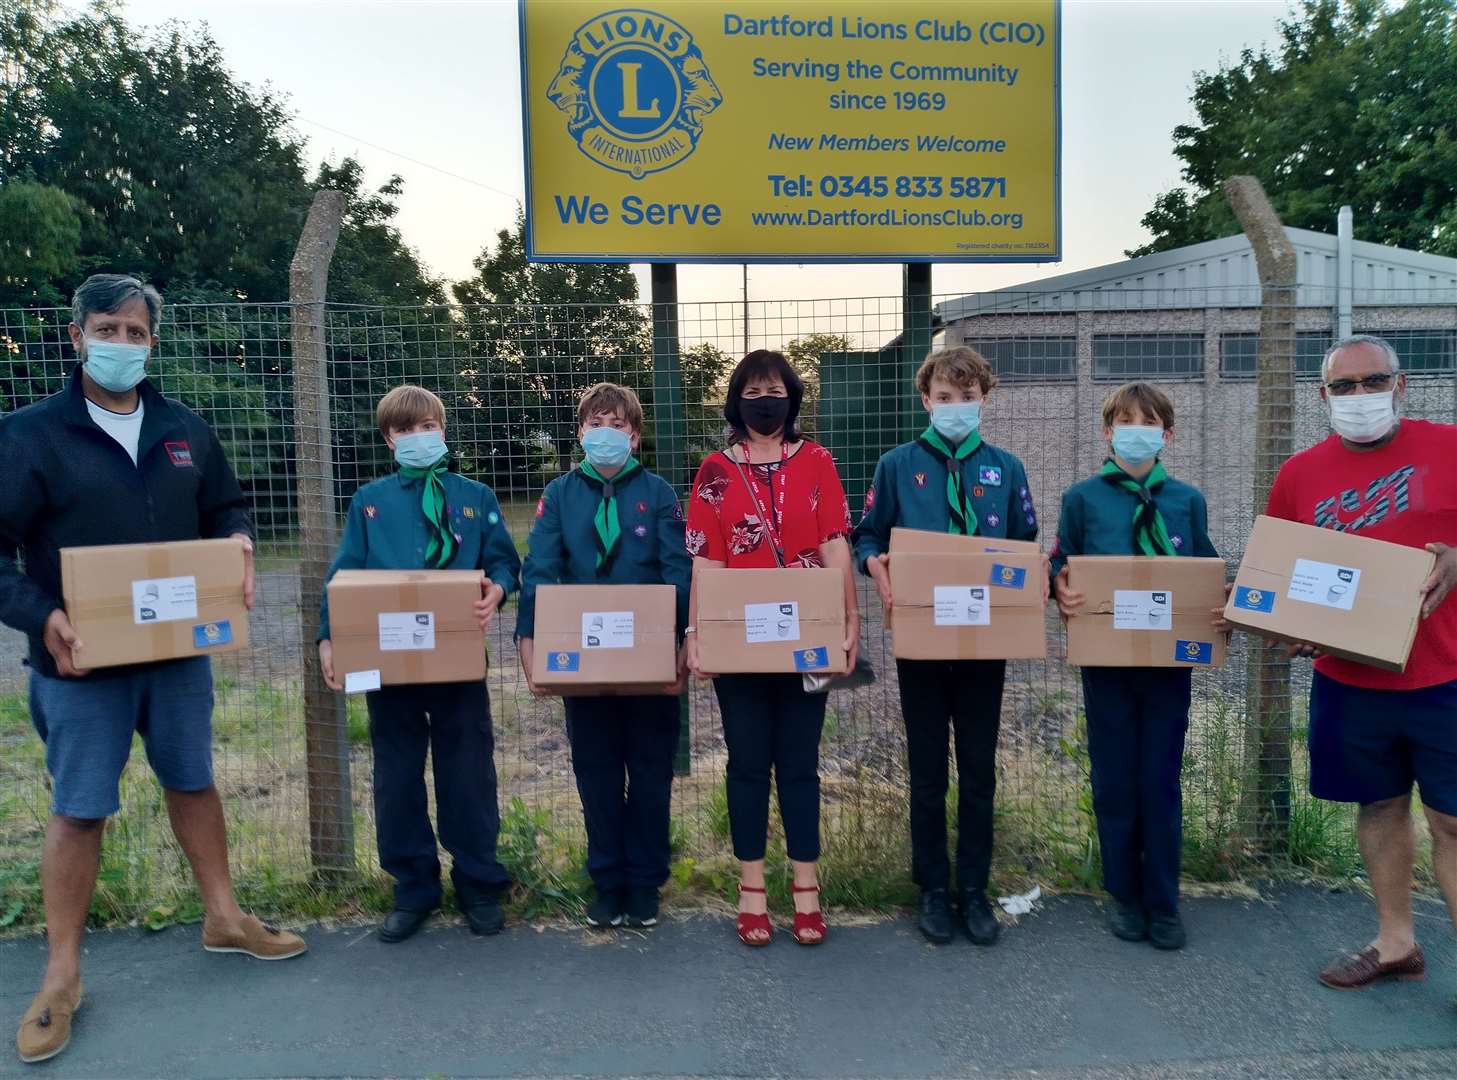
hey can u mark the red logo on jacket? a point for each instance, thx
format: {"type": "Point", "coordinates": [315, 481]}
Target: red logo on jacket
{"type": "Point", "coordinates": [180, 453]}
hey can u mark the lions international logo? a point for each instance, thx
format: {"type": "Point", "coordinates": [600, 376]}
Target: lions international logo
{"type": "Point", "coordinates": [1254, 596]}
{"type": "Point", "coordinates": [212, 632]}
{"type": "Point", "coordinates": [1009, 573]}
{"type": "Point", "coordinates": [635, 90]}
{"type": "Point", "coordinates": [1191, 650]}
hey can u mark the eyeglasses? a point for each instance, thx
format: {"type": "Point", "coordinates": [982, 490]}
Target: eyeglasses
{"type": "Point", "coordinates": [1372, 383]}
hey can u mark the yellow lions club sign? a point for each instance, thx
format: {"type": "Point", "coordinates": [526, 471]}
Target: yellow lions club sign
{"type": "Point", "coordinates": [705, 131]}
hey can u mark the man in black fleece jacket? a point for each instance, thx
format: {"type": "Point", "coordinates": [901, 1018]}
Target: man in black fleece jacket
{"type": "Point", "coordinates": [108, 460]}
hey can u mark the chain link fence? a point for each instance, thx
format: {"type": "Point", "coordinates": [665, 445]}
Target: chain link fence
{"type": "Point", "coordinates": [510, 378]}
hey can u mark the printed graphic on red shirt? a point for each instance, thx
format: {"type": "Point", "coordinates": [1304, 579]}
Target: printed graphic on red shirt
{"type": "Point", "coordinates": [1352, 510]}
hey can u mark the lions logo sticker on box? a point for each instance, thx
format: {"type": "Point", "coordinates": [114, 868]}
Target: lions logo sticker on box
{"type": "Point", "coordinates": [209, 635]}
{"type": "Point", "coordinates": [564, 661]}
{"type": "Point", "coordinates": [811, 659]}
{"type": "Point", "coordinates": [635, 90]}
{"type": "Point", "coordinates": [1194, 652]}
{"type": "Point", "coordinates": [1254, 599]}
{"type": "Point", "coordinates": [1009, 577]}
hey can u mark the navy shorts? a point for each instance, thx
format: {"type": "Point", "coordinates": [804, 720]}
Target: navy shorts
{"type": "Point", "coordinates": [1370, 745]}
{"type": "Point", "coordinates": [87, 725]}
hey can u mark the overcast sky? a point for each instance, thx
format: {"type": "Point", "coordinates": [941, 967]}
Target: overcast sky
{"type": "Point", "coordinates": [431, 90]}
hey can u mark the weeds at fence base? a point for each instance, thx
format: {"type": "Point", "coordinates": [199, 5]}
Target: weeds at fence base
{"type": "Point", "coordinates": [1045, 833]}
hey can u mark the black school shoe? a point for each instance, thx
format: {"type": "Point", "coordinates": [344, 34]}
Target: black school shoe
{"type": "Point", "coordinates": [1128, 921]}
{"type": "Point", "coordinates": [642, 907]}
{"type": "Point", "coordinates": [977, 918]}
{"type": "Point", "coordinates": [401, 924]}
{"type": "Point", "coordinates": [1166, 930]}
{"type": "Point", "coordinates": [606, 910]}
{"type": "Point", "coordinates": [935, 920]}
{"type": "Point", "coordinates": [483, 913]}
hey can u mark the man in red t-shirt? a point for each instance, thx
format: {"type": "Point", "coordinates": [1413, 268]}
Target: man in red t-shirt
{"type": "Point", "coordinates": [1374, 733]}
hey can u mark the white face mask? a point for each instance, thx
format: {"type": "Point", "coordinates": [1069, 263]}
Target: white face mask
{"type": "Point", "coordinates": [1363, 418]}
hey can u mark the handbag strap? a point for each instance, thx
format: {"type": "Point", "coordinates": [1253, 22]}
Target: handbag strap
{"type": "Point", "coordinates": [774, 541]}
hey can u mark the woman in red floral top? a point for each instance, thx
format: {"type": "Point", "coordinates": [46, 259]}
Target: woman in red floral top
{"type": "Point", "coordinates": [769, 722]}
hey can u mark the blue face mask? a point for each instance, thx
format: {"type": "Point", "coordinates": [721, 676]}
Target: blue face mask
{"type": "Point", "coordinates": [115, 365]}
{"type": "Point", "coordinates": [957, 419]}
{"type": "Point", "coordinates": [606, 447]}
{"type": "Point", "coordinates": [1137, 443]}
{"type": "Point", "coordinates": [420, 449]}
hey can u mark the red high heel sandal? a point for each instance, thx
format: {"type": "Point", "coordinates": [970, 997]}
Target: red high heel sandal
{"type": "Point", "coordinates": [755, 930]}
{"type": "Point", "coordinates": [811, 922]}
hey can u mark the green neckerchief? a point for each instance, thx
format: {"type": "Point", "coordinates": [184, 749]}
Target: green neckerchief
{"type": "Point", "coordinates": [432, 502]}
{"type": "Point", "coordinates": [963, 517]}
{"type": "Point", "coordinates": [1150, 534]}
{"type": "Point", "coordinates": [607, 522]}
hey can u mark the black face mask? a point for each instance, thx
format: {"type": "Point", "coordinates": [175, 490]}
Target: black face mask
{"type": "Point", "coordinates": [764, 415]}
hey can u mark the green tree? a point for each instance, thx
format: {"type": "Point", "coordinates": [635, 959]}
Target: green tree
{"type": "Point", "coordinates": [1357, 105]}
{"type": "Point", "coordinates": [40, 234]}
{"type": "Point", "coordinates": [182, 173]}
{"type": "Point", "coordinates": [539, 334]}
{"type": "Point", "coordinates": [804, 353]}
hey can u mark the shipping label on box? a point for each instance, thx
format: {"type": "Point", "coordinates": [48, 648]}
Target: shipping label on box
{"type": "Point", "coordinates": [605, 639]}
{"type": "Point", "coordinates": [607, 629]}
{"type": "Point", "coordinates": [405, 627]}
{"type": "Point", "coordinates": [962, 605]}
{"type": "Point", "coordinates": [1327, 584]}
{"type": "Point", "coordinates": [1146, 611]}
{"type": "Point", "coordinates": [780, 620]}
{"type": "Point", "coordinates": [774, 621]}
{"type": "Point", "coordinates": [1136, 609]}
{"type": "Point", "coordinates": [135, 603]}
{"type": "Point", "coordinates": [1354, 597]}
{"type": "Point", "coordinates": [164, 599]}
{"type": "Point", "coordinates": [401, 631]}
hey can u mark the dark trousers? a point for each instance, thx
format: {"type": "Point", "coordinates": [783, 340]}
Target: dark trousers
{"type": "Point", "coordinates": [769, 722]}
{"type": "Point", "coordinates": [454, 721]}
{"type": "Point", "coordinates": [1137, 719]}
{"type": "Point", "coordinates": [964, 696]}
{"type": "Point", "coordinates": [622, 755]}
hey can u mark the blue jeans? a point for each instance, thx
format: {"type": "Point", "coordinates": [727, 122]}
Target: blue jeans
{"type": "Point", "coordinates": [87, 725]}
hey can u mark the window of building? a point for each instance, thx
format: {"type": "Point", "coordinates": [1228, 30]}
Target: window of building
{"type": "Point", "coordinates": [1030, 359]}
{"type": "Point", "coordinates": [1148, 356]}
{"type": "Point", "coordinates": [1422, 351]}
{"type": "Point", "coordinates": [1239, 354]}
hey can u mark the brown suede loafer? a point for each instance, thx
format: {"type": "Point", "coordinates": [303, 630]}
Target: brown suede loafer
{"type": "Point", "coordinates": [254, 938]}
{"type": "Point", "coordinates": [46, 1027]}
{"type": "Point", "coordinates": [1365, 968]}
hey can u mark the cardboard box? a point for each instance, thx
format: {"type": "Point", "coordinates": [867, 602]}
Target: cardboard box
{"type": "Point", "coordinates": [402, 627]}
{"type": "Point", "coordinates": [771, 620]}
{"type": "Point", "coordinates": [1146, 611]}
{"type": "Point", "coordinates": [133, 603]}
{"type": "Point", "coordinates": [1355, 597]}
{"type": "Point", "coordinates": [966, 597]}
{"type": "Point", "coordinates": [951, 544]}
{"type": "Point", "coordinates": [605, 639]}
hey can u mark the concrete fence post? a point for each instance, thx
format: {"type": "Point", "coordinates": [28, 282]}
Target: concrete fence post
{"type": "Point", "coordinates": [331, 809]}
{"type": "Point", "coordinates": [1266, 810]}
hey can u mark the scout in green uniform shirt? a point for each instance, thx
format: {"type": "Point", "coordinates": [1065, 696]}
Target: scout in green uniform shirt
{"type": "Point", "coordinates": [612, 522]}
{"type": "Point", "coordinates": [424, 517]}
{"type": "Point", "coordinates": [949, 480]}
{"type": "Point", "coordinates": [1136, 717]}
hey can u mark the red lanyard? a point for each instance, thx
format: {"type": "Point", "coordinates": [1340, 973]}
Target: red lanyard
{"type": "Point", "coordinates": [778, 486]}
